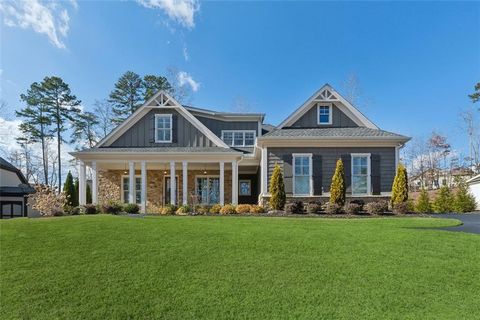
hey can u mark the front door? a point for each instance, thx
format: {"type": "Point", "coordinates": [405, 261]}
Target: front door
{"type": "Point", "coordinates": [208, 190]}
{"type": "Point", "coordinates": [168, 190]}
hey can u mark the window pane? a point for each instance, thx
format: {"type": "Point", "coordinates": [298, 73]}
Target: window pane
{"type": "Point", "coordinates": [166, 135]}
{"type": "Point", "coordinates": [238, 139]}
{"type": "Point", "coordinates": [359, 184]}
{"type": "Point", "coordinates": [249, 138]}
{"type": "Point", "coordinates": [324, 118]}
{"type": "Point", "coordinates": [302, 185]}
{"type": "Point", "coordinates": [228, 138]}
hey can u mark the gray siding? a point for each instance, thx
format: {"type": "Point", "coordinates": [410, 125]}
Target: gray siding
{"type": "Point", "coordinates": [382, 158]}
{"type": "Point", "coordinates": [185, 134]}
{"type": "Point", "coordinates": [309, 119]}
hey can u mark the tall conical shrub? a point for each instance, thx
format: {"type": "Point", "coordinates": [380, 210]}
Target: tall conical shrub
{"type": "Point", "coordinates": [443, 201]}
{"type": "Point", "coordinates": [337, 188]}
{"type": "Point", "coordinates": [423, 204]}
{"type": "Point", "coordinates": [76, 197]}
{"type": "Point", "coordinates": [464, 201]}
{"type": "Point", "coordinates": [69, 190]}
{"type": "Point", "coordinates": [89, 194]}
{"type": "Point", "coordinates": [400, 186]}
{"type": "Point", "coordinates": [277, 189]}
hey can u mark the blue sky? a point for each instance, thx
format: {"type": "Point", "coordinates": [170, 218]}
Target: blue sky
{"type": "Point", "coordinates": [416, 62]}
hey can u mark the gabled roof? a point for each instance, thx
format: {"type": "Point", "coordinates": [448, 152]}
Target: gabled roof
{"type": "Point", "coordinates": [227, 115]}
{"type": "Point", "coordinates": [328, 94]}
{"type": "Point", "coordinates": [474, 179]}
{"type": "Point", "coordinates": [159, 100]}
{"type": "Point", "coordinates": [332, 133]}
{"type": "Point", "coordinates": [22, 188]}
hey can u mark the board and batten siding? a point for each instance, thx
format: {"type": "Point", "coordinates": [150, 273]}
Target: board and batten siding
{"type": "Point", "coordinates": [309, 119]}
{"type": "Point", "coordinates": [141, 134]}
{"type": "Point", "coordinates": [324, 162]}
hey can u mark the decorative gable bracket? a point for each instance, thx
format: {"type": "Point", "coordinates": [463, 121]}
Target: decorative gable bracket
{"type": "Point", "coordinates": [326, 95]}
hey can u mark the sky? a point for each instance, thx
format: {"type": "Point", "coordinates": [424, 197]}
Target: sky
{"type": "Point", "coordinates": [415, 62]}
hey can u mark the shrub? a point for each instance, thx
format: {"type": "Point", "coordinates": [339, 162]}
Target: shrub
{"type": "Point", "coordinates": [352, 208]}
{"type": "Point", "coordinates": [400, 186]}
{"type": "Point", "coordinates": [243, 208]}
{"type": "Point", "coordinates": [401, 208]}
{"type": "Point", "coordinates": [377, 207]}
{"type": "Point", "coordinates": [337, 188]}
{"type": "Point", "coordinates": [332, 208]}
{"type": "Point", "coordinates": [215, 209]}
{"type": "Point", "coordinates": [277, 189]}
{"type": "Point", "coordinates": [131, 208]}
{"type": "Point", "coordinates": [183, 210]}
{"type": "Point", "coordinates": [361, 203]}
{"type": "Point", "coordinates": [154, 208]}
{"type": "Point", "coordinates": [228, 209]}
{"type": "Point", "coordinates": [295, 207]}
{"type": "Point", "coordinates": [314, 207]}
{"type": "Point", "coordinates": [57, 212]}
{"type": "Point", "coordinates": [69, 190]}
{"type": "Point", "coordinates": [48, 201]}
{"type": "Point", "coordinates": [90, 209]}
{"type": "Point", "coordinates": [257, 209]}
{"type": "Point", "coordinates": [75, 211]}
{"type": "Point", "coordinates": [464, 201]}
{"type": "Point", "coordinates": [169, 210]}
{"type": "Point", "coordinates": [423, 202]}
{"type": "Point", "coordinates": [443, 201]}
{"type": "Point", "coordinates": [112, 207]}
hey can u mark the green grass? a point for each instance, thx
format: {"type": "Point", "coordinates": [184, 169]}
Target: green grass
{"type": "Point", "coordinates": [108, 267]}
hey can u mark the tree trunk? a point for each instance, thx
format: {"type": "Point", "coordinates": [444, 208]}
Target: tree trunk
{"type": "Point", "coordinates": [58, 151]}
{"type": "Point", "coordinates": [44, 155]}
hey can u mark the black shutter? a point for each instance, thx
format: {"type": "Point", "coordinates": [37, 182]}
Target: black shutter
{"type": "Point", "coordinates": [347, 166]}
{"type": "Point", "coordinates": [174, 128]}
{"type": "Point", "coordinates": [317, 174]}
{"type": "Point", "coordinates": [375, 173]}
{"type": "Point", "coordinates": [152, 128]}
{"type": "Point", "coordinates": [287, 173]}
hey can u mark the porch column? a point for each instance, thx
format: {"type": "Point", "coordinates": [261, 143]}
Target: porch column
{"type": "Point", "coordinates": [131, 182]}
{"type": "Point", "coordinates": [82, 184]}
{"type": "Point", "coordinates": [264, 172]}
{"type": "Point", "coordinates": [173, 187]}
{"type": "Point", "coordinates": [144, 186]}
{"type": "Point", "coordinates": [94, 183]}
{"type": "Point", "coordinates": [234, 182]}
{"type": "Point", "coordinates": [184, 182]}
{"type": "Point", "coordinates": [222, 183]}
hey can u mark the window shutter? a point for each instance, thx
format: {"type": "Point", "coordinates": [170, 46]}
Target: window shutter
{"type": "Point", "coordinates": [347, 166]}
{"type": "Point", "coordinates": [152, 128]}
{"type": "Point", "coordinates": [174, 128]}
{"type": "Point", "coordinates": [287, 173]}
{"type": "Point", "coordinates": [317, 174]}
{"type": "Point", "coordinates": [375, 173]}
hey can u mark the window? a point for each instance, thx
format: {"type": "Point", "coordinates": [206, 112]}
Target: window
{"type": "Point", "coordinates": [302, 174]}
{"type": "Point", "coordinates": [163, 128]}
{"type": "Point", "coordinates": [239, 138]}
{"type": "Point", "coordinates": [324, 113]}
{"type": "Point", "coordinates": [126, 191]}
{"type": "Point", "coordinates": [208, 189]}
{"type": "Point", "coordinates": [245, 188]}
{"type": "Point", "coordinates": [360, 174]}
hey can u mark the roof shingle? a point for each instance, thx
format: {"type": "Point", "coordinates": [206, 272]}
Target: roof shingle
{"type": "Point", "coordinates": [358, 132]}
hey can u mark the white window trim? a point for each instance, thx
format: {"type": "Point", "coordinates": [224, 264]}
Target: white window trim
{"type": "Point", "coordinates": [369, 173]}
{"type": "Point", "coordinates": [243, 131]}
{"type": "Point", "coordinates": [163, 115]}
{"type": "Point", "coordinates": [330, 115]}
{"type": "Point", "coordinates": [310, 169]}
{"type": "Point", "coordinates": [122, 198]}
{"type": "Point", "coordinates": [249, 189]}
{"type": "Point", "coordinates": [177, 177]}
{"type": "Point", "coordinates": [208, 176]}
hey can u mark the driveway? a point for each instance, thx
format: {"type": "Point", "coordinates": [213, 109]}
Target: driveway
{"type": "Point", "coordinates": [471, 221]}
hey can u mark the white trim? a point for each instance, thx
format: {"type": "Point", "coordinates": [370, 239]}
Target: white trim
{"type": "Point", "coordinates": [163, 115]}
{"type": "Point", "coordinates": [222, 183]}
{"type": "Point", "coordinates": [207, 176]}
{"type": "Point", "coordinates": [94, 183]}
{"type": "Point", "coordinates": [143, 185]}
{"type": "Point", "coordinates": [173, 184]}
{"type": "Point", "coordinates": [249, 189]}
{"type": "Point", "coordinates": [310, 169]}
{"type": "Point", "coordinates": [234, 182]}
{"type": "Point", "coordinates": [397, 157]}
{"type": "Point", "coordinates": [184, 182]}
{"type": "Point", "coordinates": [131, 181]}
{"type": "Point", "coordinates": [334, 96]}
{"type": "Point", "coordinates": [264, 171]}
{"type": "Point", "coordinates": [330, 114]}
{"type": "Point", "coordinates": [82, 185]}
{"type": "Point", "coordinates": [122, 198]}
{"type": "Point", "coordinates": [242, 131]}
{"type": "Point", "coordinates": [369, 173]}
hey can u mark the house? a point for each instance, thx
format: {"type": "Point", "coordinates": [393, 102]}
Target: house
{"type": "Point", "coordinates": [474, 188]}
{"type": "Point", "coordinates": [208, 157]}
{"type": "Point", "coordinates": [14, 191]}
{"type": "Point", "coordinates": [433, 179]}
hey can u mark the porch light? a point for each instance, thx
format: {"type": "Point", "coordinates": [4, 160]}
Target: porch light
{"type": "Point", "coordinates": [125, 169]}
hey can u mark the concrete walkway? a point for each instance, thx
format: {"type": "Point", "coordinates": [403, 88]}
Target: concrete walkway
{"type": "Point", "coordinates": [471, 221]}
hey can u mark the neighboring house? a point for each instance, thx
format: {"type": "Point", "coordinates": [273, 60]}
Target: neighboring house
{"type": "Point", "coordinates": [474, 188]}
{"type": "Point", "coordinates": [222, 157]}
{"type": "Point", "coordinates": [14, 191]}
{"type": "Point", "coordinates": [433, 179]}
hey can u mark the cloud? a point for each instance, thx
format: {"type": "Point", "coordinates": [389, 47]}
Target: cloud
{"type": "Point", "coordinates": [180, 11]}
{"type": "Point", "coordinates": [49, 18]}
{"type": "Point", "coordinates": [185, 79]}
{"type": "Point", "coordinates": [185, 54]}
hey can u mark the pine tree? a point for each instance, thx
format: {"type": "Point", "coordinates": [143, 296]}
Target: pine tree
{"type": "Point", "coordinates": [443, 201]}
{"type": "Point", "coordinates": [464, 201]}
{"type": "Point", "coordinates": [151, 84]}
{"type": "Point", "coordinates": [423, 202]}
{"type": "Point", "coordinates": [76, 196]}
{"type": "Point", "coordinates": [89, 194]}
{"type": "Point", "coordinates": [400, 186]}
{"type": "Point", "coordinates": [84, 129]}
{"type": "Point", "coordinates": [69, 190]}
{"type": "Point", "coordinates": [62, 108]}
{"type": "Point", "coordinates": [127, 96]}
{"type": "Point", "coordinates": [337, 188]}
{"type": "Point", "coordinates": [277, 189]}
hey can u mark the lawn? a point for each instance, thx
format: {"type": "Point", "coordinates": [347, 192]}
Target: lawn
{"type": "Point", "coordinates": [112, 267]}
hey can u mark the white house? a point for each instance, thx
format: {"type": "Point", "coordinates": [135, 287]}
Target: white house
{"type": "Point", "coordinates": [474, 187]}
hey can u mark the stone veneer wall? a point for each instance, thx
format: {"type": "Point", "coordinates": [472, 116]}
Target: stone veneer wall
{"type": "Point", "coordinates": [109, 185]}
{"type": "Point", "coordinates": [264, 199]}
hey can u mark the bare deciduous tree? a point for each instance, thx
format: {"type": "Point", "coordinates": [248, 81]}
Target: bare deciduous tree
{"type": "Point", "coordinates": [471, 124]}
{"type": "Point", "coordinates": [103, 110]}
